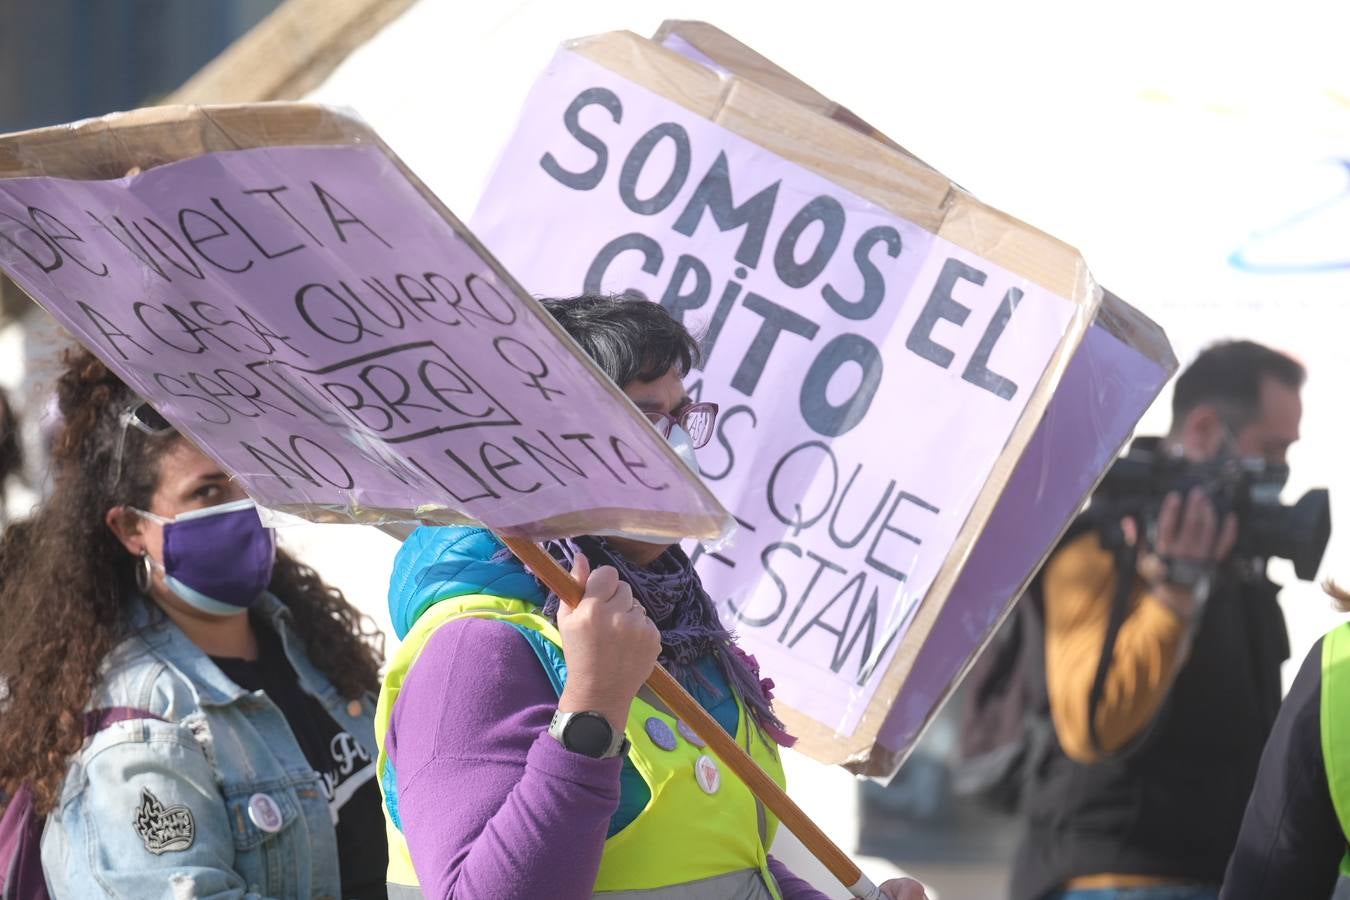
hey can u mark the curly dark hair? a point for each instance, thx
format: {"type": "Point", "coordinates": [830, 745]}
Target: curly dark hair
{"type": "Point", "coordinates": [67, 584]}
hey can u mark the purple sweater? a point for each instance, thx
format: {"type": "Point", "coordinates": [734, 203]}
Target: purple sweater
{"type": "Point", "coordinates": [491, 806]}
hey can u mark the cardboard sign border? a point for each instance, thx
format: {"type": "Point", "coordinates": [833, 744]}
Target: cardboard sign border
{"type": "Point", "coordinates": [114, 145]}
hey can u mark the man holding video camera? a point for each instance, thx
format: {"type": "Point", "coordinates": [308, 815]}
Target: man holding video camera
{"type": "Point", "coordinates": [1163, 685]}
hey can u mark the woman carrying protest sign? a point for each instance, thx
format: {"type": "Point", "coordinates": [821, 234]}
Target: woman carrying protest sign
{"type": "Point", "coordinates": [520, 755]}
{"type": "Point", "coordinates": [191, 708]}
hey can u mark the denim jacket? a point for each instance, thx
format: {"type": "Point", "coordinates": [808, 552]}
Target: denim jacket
{"type": "Point", "coordinates": [216, 801]}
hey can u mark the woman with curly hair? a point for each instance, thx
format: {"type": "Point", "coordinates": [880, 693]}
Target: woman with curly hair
{"type": "Point", "coordinates": [190, 707]}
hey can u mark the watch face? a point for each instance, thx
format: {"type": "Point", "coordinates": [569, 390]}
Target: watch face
{"type": "Point", "coordinates": [588, 734]}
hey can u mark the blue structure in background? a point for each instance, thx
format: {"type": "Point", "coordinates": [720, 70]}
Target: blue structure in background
{"type": "Point", "coordinates": [62, 60]}
{"type": "Point", "coordinates": [1329, 217]}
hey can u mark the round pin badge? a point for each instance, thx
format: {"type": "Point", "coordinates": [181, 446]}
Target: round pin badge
{"type": "Point", "coordinates": [706, 773]}
{"type": "Point", "coordinates": [264, 812]}
{"type": "Point", "coordinates": [660, 733]}
{"type": "Point", "coordinates": [354, 708]}
{"type": "Point", "coordinates": [689, 734]}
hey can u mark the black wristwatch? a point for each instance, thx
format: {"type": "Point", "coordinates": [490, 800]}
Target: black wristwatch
{"type": "Point", "coordinates": [588, 733]}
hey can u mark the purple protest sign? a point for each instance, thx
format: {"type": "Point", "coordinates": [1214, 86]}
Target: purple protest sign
{"type": "Point", "coordinates": [328, 333]}
{"type": "Point", "coordinates": [872, 371]}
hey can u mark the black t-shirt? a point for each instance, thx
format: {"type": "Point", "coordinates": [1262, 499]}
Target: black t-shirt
{"type": "Point", "coordinates": [346, 770]}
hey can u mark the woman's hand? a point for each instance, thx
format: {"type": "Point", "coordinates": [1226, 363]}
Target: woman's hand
{"type": "Point", "coordinates": [903, 889]}
{"type": "Point", "coordinates": [610, 645]}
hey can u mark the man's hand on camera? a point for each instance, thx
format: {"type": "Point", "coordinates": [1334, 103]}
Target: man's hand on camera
{"type": "Point", "coordinates": [1189, 545]}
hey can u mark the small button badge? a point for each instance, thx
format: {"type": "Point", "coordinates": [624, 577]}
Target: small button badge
{"type": "Point", "coordinates": [689, 734]}
{"type": "Point", "coordinates": [660, 733]}
{"type": "Point", "coordinates": [706, 773]}
{"type": "Point", "coordinates": [354, 708]}
{"type": "Point", "coordinates": [264, 812]}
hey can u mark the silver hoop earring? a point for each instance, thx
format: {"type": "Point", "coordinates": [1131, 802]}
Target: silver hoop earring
{"type": "Point", "coordinates": [145, 573]}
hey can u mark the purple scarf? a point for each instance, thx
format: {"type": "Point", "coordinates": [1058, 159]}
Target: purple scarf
{"type": "Point", "coordinates": [671, 592]}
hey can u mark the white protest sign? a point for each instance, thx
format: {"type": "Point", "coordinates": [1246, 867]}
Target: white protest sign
{"type": "Point", "coordinates": [870, 372]}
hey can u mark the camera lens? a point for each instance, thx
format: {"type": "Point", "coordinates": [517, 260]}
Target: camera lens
{"type": "Point", "coordinates": [1298, 533]}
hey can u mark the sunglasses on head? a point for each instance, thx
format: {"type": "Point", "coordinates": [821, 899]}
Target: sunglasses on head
{"type": "Point", "coordinates": [697, 419]}
{"type": "Point", "coordinates": [145, 419]}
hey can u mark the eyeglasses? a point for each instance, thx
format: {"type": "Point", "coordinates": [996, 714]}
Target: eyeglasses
{"type": "Point", "coordinates": [145, 419]}
{"type": "Point", "coordinates": [697, 419]}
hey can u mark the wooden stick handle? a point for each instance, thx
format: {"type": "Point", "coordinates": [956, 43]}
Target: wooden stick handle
{"type": "Point", "coordinates": [682, 704]}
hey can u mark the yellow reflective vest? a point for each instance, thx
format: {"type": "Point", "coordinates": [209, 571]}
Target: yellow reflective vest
{"type": "Point", "coordinates": [685, 842]}
{"type": "Point", "coordinates": [1334, 716]}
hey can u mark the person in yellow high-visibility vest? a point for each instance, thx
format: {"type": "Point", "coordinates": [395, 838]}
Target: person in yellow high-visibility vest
{"type": "Point", "coordinates": [1295, 837]}
{"type": "Point", "coordinates": [519, 754]}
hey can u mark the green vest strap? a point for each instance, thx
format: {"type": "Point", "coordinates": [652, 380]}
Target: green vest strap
{"type": "Point", "coordinates": [1335, 720]}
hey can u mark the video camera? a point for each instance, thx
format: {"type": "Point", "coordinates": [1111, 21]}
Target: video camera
{"type": "Point", "coordinates": [1137, 483]}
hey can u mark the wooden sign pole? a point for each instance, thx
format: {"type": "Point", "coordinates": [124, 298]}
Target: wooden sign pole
{"type": "Point", "coordinates": [682, 704]}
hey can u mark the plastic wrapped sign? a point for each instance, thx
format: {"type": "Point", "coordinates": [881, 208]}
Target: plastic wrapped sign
{"type": "Point", "coordinates": [289, 296]}
{"type": "Point", "coordinates": [884, 348]}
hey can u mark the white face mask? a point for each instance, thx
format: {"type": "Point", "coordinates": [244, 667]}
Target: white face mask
{"type": "Point", "coordinates": [683, 445]}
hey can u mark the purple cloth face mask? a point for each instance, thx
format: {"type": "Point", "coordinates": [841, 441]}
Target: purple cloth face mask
{"type": "Point", "coordinates": [217, 559]}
